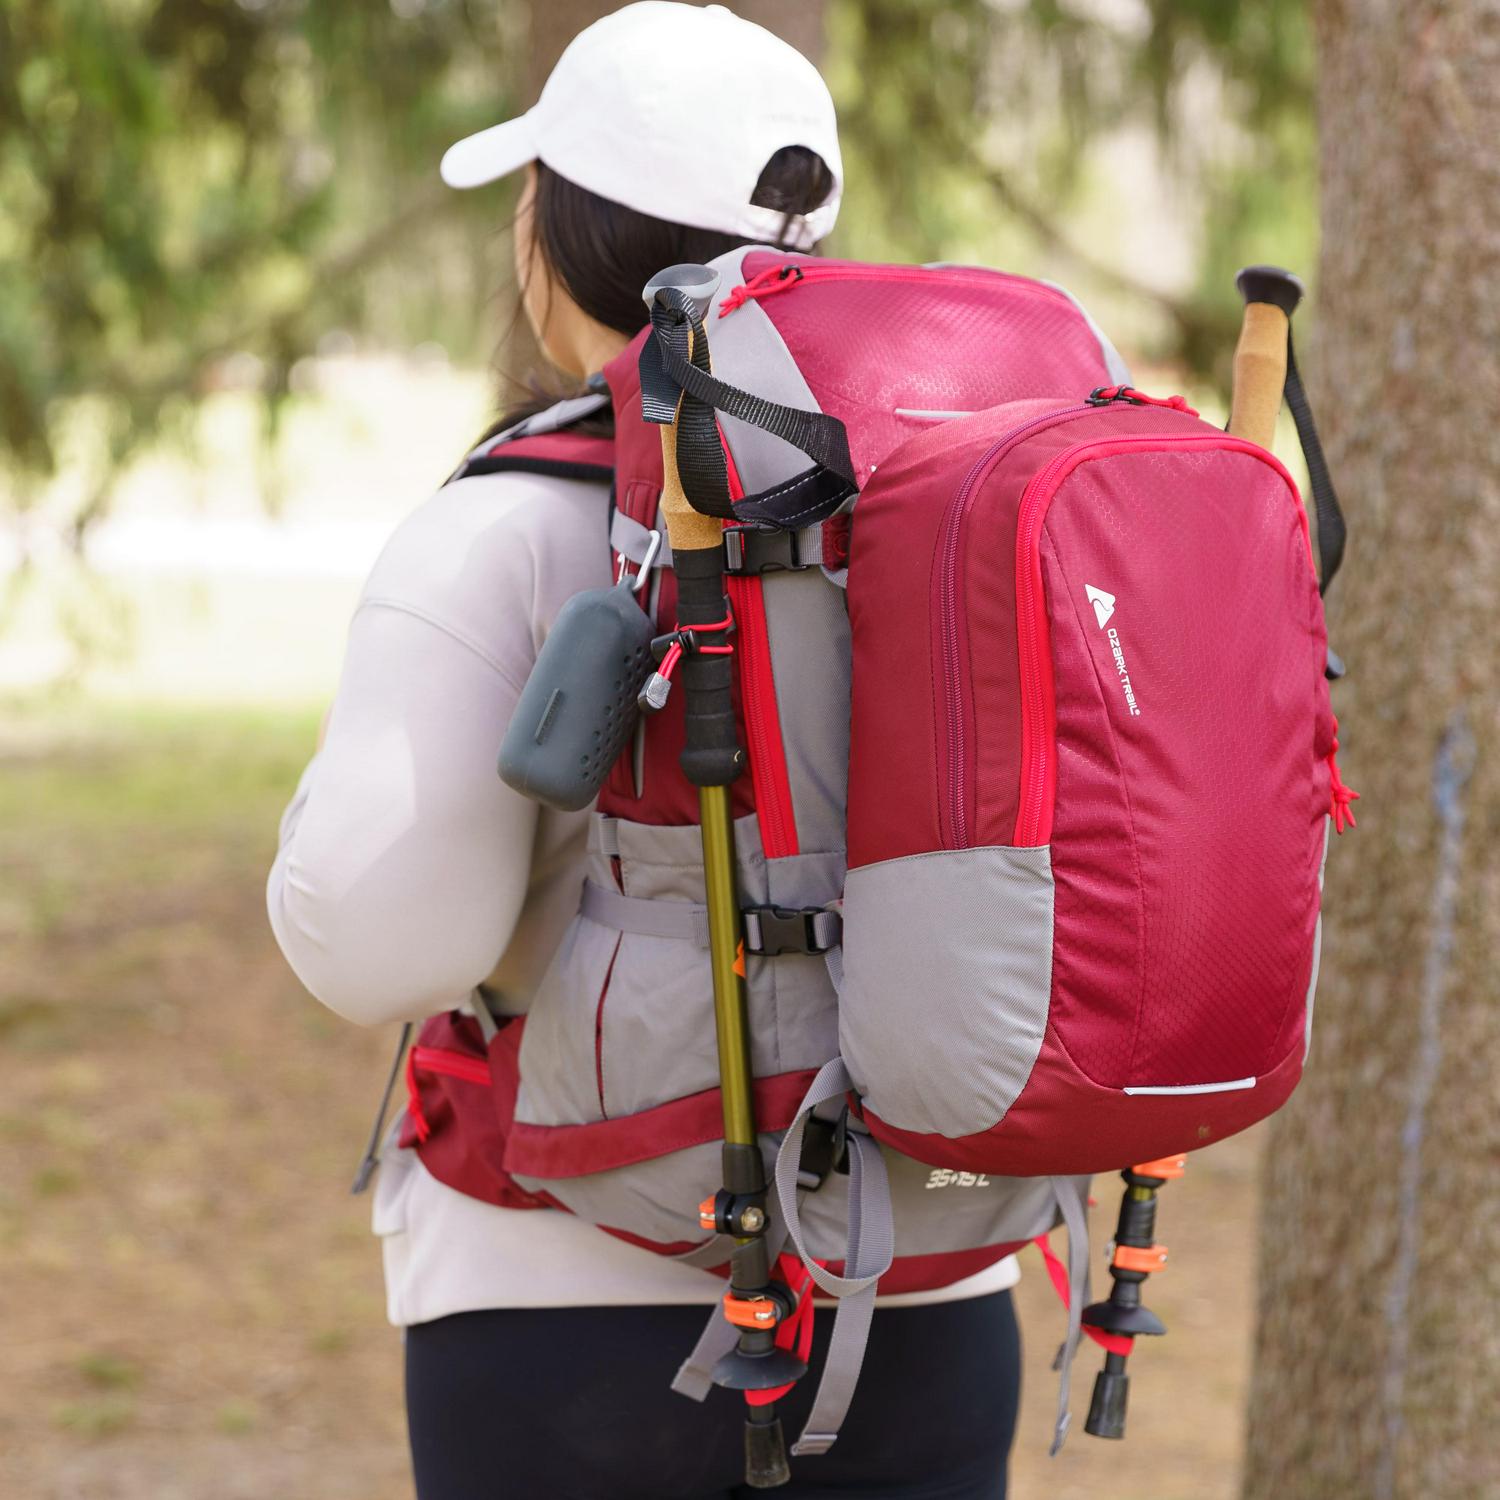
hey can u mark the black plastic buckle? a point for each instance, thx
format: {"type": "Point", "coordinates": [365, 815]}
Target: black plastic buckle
{"type": "Point", "coordinates": [1125, 393]}
{"type": "Point", "coordinates": [762, 549]}
{"type": "Point", "coordinates": [825, 1149]}
{"type": "Point", "coordinates": [773, 930]}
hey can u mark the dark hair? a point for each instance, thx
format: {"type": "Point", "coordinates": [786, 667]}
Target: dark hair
{"type": "Point", "coordinates": [602, 253]}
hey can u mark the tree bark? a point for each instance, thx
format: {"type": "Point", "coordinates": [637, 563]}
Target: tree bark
{"type": "Point", "coordinates": [1377, 1373]}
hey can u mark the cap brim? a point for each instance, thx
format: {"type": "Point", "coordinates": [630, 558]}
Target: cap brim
{"type": "Point", "coordinates": [490, 154]}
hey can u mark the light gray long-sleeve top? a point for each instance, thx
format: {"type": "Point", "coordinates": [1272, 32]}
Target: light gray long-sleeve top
{"type": "Point", "coordinates": [408, 873]}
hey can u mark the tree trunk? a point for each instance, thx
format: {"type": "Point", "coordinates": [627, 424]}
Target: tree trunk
{"type": "Point", "coordinates": [1377, 1373]}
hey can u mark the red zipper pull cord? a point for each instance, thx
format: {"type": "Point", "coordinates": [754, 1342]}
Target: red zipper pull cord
{"type": "Point", "coordinates": [1104, 394]}
{"type": "Point", "coordinates": [414, 1098]}
{"type": "Point", "coordinates": [1342, 796]}
{"type": "Point", "coordinates": [652, 698]}
{"type": "Point", "coordinates": [763, 284]}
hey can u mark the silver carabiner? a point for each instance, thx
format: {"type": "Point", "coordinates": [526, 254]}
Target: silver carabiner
{"type": "Point", "coordinates": [642, 578]}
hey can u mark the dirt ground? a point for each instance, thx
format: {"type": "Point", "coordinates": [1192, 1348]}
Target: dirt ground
{"type": "Point", "coordinates": [191, 1301]}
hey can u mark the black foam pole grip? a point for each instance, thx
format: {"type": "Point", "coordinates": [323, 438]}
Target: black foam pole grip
{"type": "Point", "coordinates": [714, 756]}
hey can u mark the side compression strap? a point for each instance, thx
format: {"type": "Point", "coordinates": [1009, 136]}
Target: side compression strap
{"type": "Point", "coordinates": [868, 1253]}
{"type": "Point", "coordinates": [1072, 1203]}
{"type": "Point", "coordinates": [1330, 517]}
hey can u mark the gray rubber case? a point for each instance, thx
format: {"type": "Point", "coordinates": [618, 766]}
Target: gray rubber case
{"type": "Point", "coordinates": [578, 708]}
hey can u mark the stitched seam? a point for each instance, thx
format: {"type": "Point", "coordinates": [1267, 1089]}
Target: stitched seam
{"type": "Point", "coordinates": [401, 606]}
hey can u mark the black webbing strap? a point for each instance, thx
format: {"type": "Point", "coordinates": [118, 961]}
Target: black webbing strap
{"type": "Point", "coordinates": [676, 326]}
{"type": "Point", "coordinates": [1326, 511]}
{"type": "Point", "coordinates": [667, 373]}
{"type": "Point", "coordinates": [810, 497]}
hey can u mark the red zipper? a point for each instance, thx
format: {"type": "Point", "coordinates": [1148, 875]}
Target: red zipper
{"type": "Point", "coordinates": [953, 518]}
{"type": "Point", "coordinates": [438, 1060]}
{"type": "Point", "coordinates": [774, 811]}
{"type": "Point", "coordinates": [1033, 631]}
{"type": "Point", "coordinates": [782, 278]}
{"type": "Point", "coordinates": [454, 1064]}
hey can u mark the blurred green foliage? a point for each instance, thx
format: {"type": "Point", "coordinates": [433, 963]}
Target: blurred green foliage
{"type": "Point", "coordinates": [989, 113]}
{"type": "Point", "coordinates": [184, 181]}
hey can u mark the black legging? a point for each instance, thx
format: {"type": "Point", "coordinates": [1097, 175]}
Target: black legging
{"type": "Point", "coordinates": [573, 1404]}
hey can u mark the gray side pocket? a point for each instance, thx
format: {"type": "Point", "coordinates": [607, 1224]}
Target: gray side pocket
{"type": "Point", "coordinates": [947, 978]}
{"type": "Point", "coordinates": [559, 1083]}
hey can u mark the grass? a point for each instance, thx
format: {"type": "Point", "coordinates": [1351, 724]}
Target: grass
{"type": "Point", "coordinates": [193, 1302]}
{"type": "Point", "coordinates": [182, 1262]}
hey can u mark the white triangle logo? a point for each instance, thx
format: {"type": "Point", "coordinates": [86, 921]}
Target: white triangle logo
{"type": "Point", "coordinates": [1104, 604]}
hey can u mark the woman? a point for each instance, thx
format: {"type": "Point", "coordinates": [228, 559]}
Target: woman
{"type": "Point", "coordinates": [538, 1350]}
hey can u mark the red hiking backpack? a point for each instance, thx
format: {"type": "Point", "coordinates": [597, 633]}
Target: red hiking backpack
{"type": "Point", "coordinates": [1031, 840]}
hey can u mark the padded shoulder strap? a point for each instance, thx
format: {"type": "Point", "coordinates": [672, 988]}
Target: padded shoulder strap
{"type": "Point", "coordinates": [545, 444]}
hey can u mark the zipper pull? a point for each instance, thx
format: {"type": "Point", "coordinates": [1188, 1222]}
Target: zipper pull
{"type": "Point", "coordinates": [1340, 795]}
{"type": "Point", "coordinates": [669, 650]}
{"type": "Point", "coordinates": [1104, 395]}
{"type": "Point", "coordinates": [763, 284]}
{"type": "Point", "coordinates": [653, 697]}
{"type": "Point", "coordinates": [414, 1098]}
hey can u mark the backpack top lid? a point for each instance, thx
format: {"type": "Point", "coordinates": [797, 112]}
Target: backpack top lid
{"type": "Point", "coordinates": [889, 350]}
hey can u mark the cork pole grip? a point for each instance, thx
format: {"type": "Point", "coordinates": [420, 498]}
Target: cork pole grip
{"type": "Point", "coordinates": [688, 530]}
{"type": "Point", "coordinates": [1259, 373]}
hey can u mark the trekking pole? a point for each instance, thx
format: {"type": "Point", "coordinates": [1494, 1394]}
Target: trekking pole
{"type": "Point", "coordinates": [1271, 297]}
{"type": "Point", "coordinates": [712, 760]}
{"type": "Point", "coordinates": [1123, 1317]}
{"type": "Point", "coordinates": [1265, 368]}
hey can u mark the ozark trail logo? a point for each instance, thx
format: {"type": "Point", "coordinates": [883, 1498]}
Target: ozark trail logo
{"type": "Point", "coordinates": [941, 1177]}
{"type": "Point", "coordinates": [1104, 609]}
{"type": "Point", "coordinates": [1104, 604]}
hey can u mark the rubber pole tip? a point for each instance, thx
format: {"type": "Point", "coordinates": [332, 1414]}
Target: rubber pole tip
{"type": "Point", "coordinates": [766, 1465]}
{"type": "Point", "coordinates": [1107, 1409]}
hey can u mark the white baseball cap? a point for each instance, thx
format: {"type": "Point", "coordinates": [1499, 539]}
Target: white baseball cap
{"type": "Point", "coordinates": [674, 111]}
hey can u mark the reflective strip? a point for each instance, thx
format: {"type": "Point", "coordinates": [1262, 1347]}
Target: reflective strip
{"type": "Point", "coordinates": [930, 416]}
{"type": "Point", "coordinates": [1195, 1088]}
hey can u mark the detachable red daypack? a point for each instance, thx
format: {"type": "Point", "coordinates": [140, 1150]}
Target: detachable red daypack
{"type": "Point", "coordinates": [1092, 766]}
